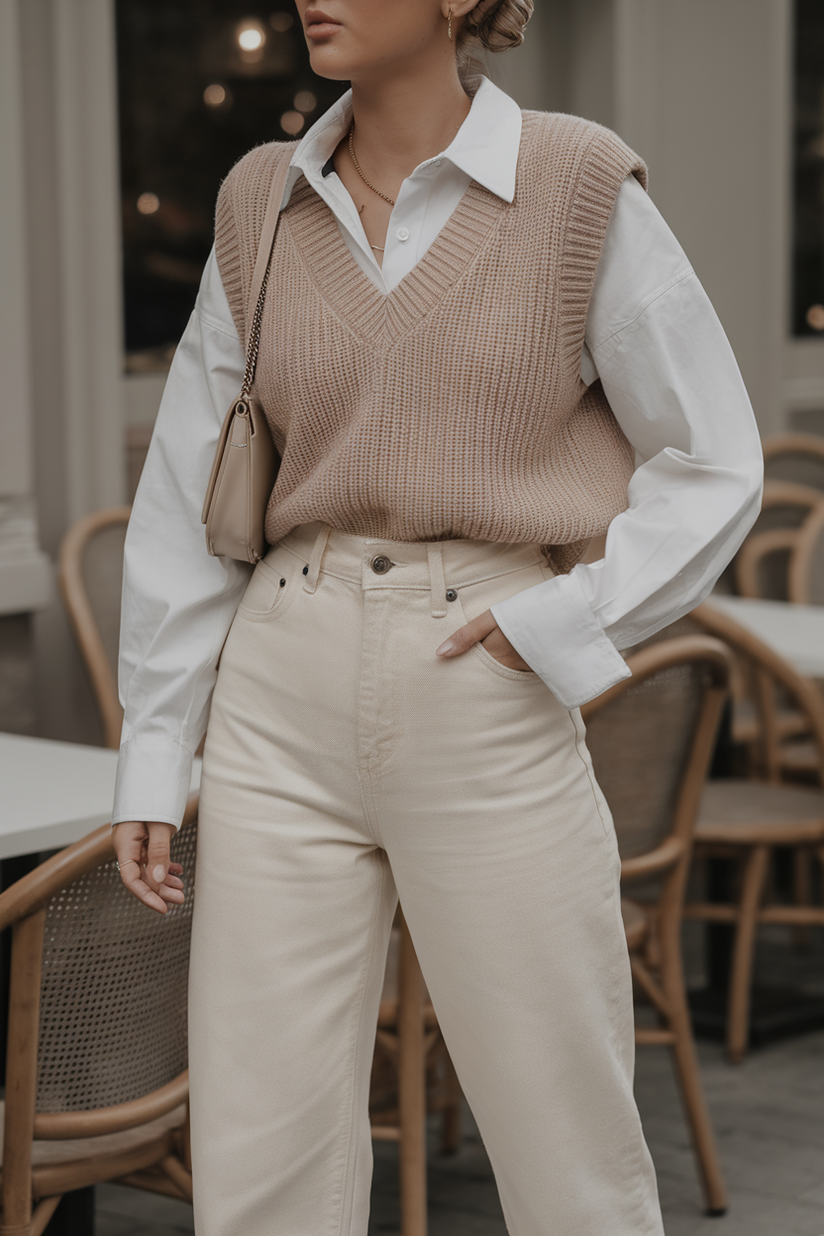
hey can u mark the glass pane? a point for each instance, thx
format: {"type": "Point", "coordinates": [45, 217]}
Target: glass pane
{"type": "Point", "coordinates": [808, 248]}
{"type": "Point", "coordinates": [200, 83]}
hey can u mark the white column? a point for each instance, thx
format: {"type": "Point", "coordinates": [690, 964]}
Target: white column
{"type": "Point", "coordinates": [25, 575]}
{"type": "Point", "coordinates": [70, 174]}
{"type": "Point", "coordinates": [90, 251]}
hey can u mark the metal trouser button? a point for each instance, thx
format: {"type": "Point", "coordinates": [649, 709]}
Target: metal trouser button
{"type": "Point", "coordinates": [451, 594]}
{"type": "Point", "coordinates": [380, 565]}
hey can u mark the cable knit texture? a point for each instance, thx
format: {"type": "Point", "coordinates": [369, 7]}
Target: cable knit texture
{"type": "Point", "coordinates": [453, 406]}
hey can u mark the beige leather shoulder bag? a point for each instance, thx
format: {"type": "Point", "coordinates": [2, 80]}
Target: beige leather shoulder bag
{"type": "Point", "coordinates": [246, 460]}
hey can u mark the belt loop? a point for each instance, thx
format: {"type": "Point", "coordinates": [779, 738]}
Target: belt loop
{"type": "Point", "coordinates": [437, 583]}
{"type": "Point", "coordinates": [316, 559]}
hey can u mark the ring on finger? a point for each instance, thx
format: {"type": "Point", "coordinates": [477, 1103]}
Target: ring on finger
{"type": "Point", "coordinates": [120, 866]}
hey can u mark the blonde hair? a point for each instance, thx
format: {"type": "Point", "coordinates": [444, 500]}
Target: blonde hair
{"type": "Point", "coordinates": [495, 26]}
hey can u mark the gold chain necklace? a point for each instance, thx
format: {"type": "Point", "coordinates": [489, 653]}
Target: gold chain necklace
{"type": "Point", "coordinates": [359, 170]}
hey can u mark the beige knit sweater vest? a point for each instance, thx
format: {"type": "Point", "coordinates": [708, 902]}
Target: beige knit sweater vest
{"type": "Point", "coordinates": [453, 406]}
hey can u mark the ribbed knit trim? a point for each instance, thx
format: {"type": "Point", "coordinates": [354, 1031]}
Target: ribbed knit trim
{"type": "Point", "coordinates": [241, 206]}
{"type": "Point", "coordinates": [601, 165]}
{"type": "Point", "coordinates": [605, 162]}
{"type": "Point", "coordinates": [353, 297]}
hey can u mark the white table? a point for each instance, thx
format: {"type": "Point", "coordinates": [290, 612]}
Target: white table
{"type": "Point", "coordinates": [794, 631]}
{"type": "Point", "coordinates": [54, 793]}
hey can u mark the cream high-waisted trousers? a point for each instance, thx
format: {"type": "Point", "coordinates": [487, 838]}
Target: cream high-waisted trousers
{"type": "Point", "coordinates": [346, 765]}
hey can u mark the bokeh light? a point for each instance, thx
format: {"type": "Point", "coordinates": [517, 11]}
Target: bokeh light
{"type": "Point", "coordinates": [148, 204]}
{"type": "Point", "coordinates": [251, 36]}
{"type": "Point", "coordinates": [291, 123]}
{"type": "Point", "coordinates": [305, 101]}
{"type": "Point", "coordinates": [214, 95]}
{"type": "Point", "coordinates": [815, 317]}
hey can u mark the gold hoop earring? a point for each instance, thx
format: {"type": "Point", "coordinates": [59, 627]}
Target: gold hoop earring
{"type": "Point", "coordinates": [450, 26]}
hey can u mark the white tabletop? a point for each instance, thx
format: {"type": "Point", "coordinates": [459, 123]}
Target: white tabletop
{"type": "Point", "coordinates": [53, 793]}
{"type": "Point", "coordinates": [794, 631]}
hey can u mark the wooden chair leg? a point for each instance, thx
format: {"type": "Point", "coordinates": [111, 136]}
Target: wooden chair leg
{"type": "Point", "coordinates": [411, 1090]}
{"type": "Point", "coordinates": [692, 1090]}
{"type": "Point", "coordinates": [752, 888]}
{"type": "Point", "coordinates": [802, 893]}
{"type": "Point", "coordinates": [21, 1073]}
{"type": "Point", "coordinates": [451, 1118]}
{"type": "Point", "coordinates": [42, 1214]}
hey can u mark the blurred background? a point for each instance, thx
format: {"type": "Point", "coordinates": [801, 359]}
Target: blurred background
{"type": "Point", "coordinates": [119, 118]}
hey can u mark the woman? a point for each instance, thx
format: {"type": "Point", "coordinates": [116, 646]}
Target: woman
{"type": "Point", "coordinates": [480, 339]}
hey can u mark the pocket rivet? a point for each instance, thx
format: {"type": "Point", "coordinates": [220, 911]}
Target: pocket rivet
{"type": "Point", "coordinates": [283, 583]}
{"type": "Point", "coordinates": [451, 594]}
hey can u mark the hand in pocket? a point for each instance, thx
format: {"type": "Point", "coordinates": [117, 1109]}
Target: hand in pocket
{"type": "Point", "coordinates": [484, 630]}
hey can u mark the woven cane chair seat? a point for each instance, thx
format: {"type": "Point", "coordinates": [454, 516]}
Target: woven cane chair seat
{"type": "Point", "coordinates": [751, 812]}
{"type": "Point", "coordinates": [113, 1005]}
{"type": "Point", "coordinates": [642, 793]}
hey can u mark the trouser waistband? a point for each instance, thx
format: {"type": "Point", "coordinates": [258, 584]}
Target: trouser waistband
{"type": "Point", "coordinates": [438, 567]}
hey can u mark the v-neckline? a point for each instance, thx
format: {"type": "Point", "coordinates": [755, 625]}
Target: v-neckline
{"type": "Point", "coordinates": [370, 311]}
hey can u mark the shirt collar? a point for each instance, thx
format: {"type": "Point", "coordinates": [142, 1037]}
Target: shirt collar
{"type": "Point", "coordinates": [485, 147]}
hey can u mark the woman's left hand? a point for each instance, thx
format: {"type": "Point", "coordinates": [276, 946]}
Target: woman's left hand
{"type": "Point", "coordinates": [483, 630]}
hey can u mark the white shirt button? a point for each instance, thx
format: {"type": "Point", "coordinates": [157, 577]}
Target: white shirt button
{"type": "Point", "coordinates": [402, 233]}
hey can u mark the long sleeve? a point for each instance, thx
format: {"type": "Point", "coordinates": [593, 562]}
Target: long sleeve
{"type": "Point", "coordinates": [178, 602]}
{"type": "Point", "coordinates": [674, 386]}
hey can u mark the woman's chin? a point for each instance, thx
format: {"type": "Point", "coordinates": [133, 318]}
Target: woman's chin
{"type": "Point", "coordinates": [328, 63]}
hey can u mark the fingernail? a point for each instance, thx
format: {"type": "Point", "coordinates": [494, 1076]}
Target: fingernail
{"type": "Point", "coordinates": [445, 648]}
{"type": "Point", "coordinates": [159, 874]}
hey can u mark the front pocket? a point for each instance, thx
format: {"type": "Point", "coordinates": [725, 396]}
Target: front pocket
{"type": "Point", "coordinates": [266, 593]}
{"type": "Point", "coordinates": [499, 669]}
{"type": "Point", "coordinates": [476, 599]}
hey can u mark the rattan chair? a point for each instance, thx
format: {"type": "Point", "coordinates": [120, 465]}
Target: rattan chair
{"type": "Point", "coordinates": [797, 457]}
{"type": "Point", "coordinates": [794, 471]}
{"type": "Point", "coordinates": [768, 567]}
{"type": "Point", "coordinates": [96, 1072]}
{"type": "Point", "coordinates": [90, 573]}
{"type": "Point", "coordinates": [412, 1076]}
{"type": "Point", "coordinates": [762, 565]}
{"type": "Point", "coordinates": [806, 572]}
{"type": "Point", "coordinates": [651, 740]}
{"type": "Point", "coordinates": [746, 819]}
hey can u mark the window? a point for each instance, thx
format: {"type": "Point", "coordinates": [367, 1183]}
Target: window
{"type": "Point", "coordinates": [200, 82]}
{"type": "Point", "coordinates": [808, 237]}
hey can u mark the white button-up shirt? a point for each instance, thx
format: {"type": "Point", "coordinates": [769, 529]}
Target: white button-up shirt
{"type": "Point", "coordinates": [668, 372]}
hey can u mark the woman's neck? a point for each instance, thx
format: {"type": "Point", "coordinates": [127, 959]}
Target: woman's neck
{"type": "Point", "coordinates": [403, 122]}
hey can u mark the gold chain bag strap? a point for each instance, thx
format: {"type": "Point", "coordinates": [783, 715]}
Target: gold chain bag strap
{"type": "Point", "coordinates": [246, 460]}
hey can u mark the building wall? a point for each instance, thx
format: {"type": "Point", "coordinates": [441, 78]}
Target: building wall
{"type": "Point", "coordinates": [703, 92]}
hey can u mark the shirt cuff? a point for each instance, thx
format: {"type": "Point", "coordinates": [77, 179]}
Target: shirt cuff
{"type": "Point", "coordinates": [153, 779]}
{"type": "Point", "coordinates": [555, 631]}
